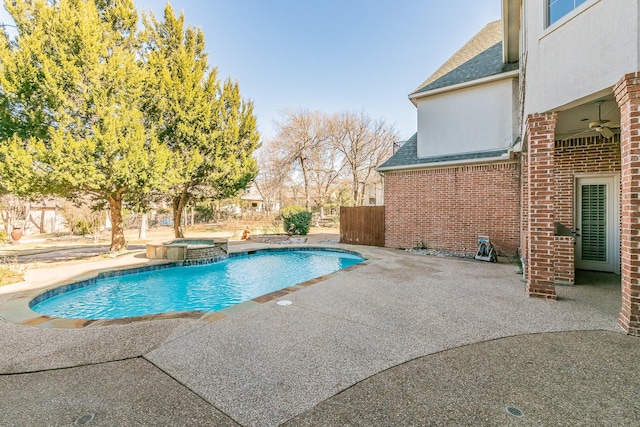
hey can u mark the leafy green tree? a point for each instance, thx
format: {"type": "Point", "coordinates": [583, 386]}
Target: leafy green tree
{"type": "Point", "coordinates": [71, 91]}
{"type": "Point", "coordinates": [209, 129]}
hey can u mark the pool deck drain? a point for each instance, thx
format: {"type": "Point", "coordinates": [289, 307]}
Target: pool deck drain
{"type": "Point", "coordinates": [516, 412]}
{"type": "Point", "coordinates": [84, 419]}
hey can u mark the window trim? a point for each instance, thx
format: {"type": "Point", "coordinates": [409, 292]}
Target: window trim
{"type": "Point", "coordinates": [564, 19]}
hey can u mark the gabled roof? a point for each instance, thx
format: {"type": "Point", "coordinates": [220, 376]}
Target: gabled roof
{"type": "Point", "coordinates": [407, 157]}
{"type": "Point", "coordinates": [480, 57]}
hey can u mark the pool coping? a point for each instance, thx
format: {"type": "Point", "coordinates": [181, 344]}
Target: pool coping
{"type": "Point", "coordinates": [17, 309]}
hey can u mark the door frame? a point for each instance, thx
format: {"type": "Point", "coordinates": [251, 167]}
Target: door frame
{"type": "Point", "coordinates": [613, 214]}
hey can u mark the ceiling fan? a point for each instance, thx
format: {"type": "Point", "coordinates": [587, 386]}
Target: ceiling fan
{"type": "Point", "coordinates": [606, 128]}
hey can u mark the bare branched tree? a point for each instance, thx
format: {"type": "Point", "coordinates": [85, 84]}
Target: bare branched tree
{"type": "Point", "coordinates": [299, 136]}
{"type": "Point", "coordinates": [272, 177]}
{"type": "Point", "coordinates": [321, 152]}
{"type": "Point", "coordinates": [365, 143]}
{"type": "Point", "coordinates": [325, 169]}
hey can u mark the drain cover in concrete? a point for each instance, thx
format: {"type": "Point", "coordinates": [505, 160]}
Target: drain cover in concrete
{"type": "Point", "coordinates": [514, 411]}
{"type": "Point", "coordinates": [84, 419]}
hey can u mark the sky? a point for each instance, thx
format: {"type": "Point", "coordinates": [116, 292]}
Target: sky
{"type": "Point", "coordinates": [330, 55]}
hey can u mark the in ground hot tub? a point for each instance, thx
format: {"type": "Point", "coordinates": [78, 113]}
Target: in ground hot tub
{"type": "Point", "coordinates": [188, 249]}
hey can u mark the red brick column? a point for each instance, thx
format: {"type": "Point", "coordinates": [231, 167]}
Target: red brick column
{"type": "Point", "coordinates": [540, 250]}
{"type": "Point", "coordinates": [524, 205]}
{"type": "Point", "coordinates": [627, 93]}
{"type": "Point", "coordinates": [564, 260]}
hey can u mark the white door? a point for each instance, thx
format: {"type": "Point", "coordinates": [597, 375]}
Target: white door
{"type": "Point", "coordinates": [597, 230]}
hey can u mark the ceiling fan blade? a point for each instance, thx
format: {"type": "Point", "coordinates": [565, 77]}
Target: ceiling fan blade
{"type": "Point", "coordinates": [598, 124]}
{"type": "Point", "coordinates": [606, 132]}
{"type": "Point", "coordinates": [574, 134]}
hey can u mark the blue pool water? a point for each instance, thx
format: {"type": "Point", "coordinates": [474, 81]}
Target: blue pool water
{"type": "Point", "coordinates": [208, 287]}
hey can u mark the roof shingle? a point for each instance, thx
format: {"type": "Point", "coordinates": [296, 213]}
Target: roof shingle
{"type": "Point", "coordinates": [407, 156]}
{"type": "Point", "coordinates": [480, 57]}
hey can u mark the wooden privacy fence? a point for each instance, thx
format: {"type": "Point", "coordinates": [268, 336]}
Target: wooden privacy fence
{"type": "Point", "coordinates": [362, 225]}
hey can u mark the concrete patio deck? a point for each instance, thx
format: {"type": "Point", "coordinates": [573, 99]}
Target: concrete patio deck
{"type": "Point", "coordinates": [403, 340]}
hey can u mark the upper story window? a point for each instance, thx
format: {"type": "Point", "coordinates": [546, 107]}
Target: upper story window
{"type": "Point", "coordinates": [559, 8]}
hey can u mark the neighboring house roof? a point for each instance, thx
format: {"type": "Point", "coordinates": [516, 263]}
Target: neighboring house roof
{"type": "Point", "coordinates": [407, 157]}
{"type": "Point", "coordinates": [480, 57]}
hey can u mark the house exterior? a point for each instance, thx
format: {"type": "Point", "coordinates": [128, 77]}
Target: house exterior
{"type": "Point", "coordinates": [45, 216]}
{"type": "Point", "coordinates": [458, 177]}
{"type": "Point", "coordinates": [580, 163]}
{"type": "Point", "coordinates": [253, 197]}
{"type": "Point", "coordinates": [575, 145]}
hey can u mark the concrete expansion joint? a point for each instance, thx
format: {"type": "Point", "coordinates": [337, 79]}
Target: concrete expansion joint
{"type": "Point", "coordinates": [186, 387]}
{"type": "Point", "coordinates": [63, 368]}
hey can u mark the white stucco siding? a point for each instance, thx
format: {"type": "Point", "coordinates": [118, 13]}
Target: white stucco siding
{"type": "Point", "coordinates": [476, 118]}
{"type": "Point", "coordinates": [584, 53]}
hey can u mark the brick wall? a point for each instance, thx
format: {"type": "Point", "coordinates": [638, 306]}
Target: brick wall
{"type": "Point", "coordinates": [448, 208]}
{"type": "Point", "coordinates": [564, 259]}
{"type": "Point", "coordinates": [524, 206]}
{"type": "Point", "coordinates": [540, 171]}
{"type": "Point", "coordinates": [591, 155]}
{"type": "Point", "coordinates": [627, 93]}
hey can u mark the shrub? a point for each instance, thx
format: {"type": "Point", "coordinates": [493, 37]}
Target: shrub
{"type": "Point", "coordinates": [80, 228]}
{"type": "Point", "coordinates": [296, 220]}
{"type": "Point", "coordinates": [421, 246]}
{"type": "Point", "coordinates": [290, 210]}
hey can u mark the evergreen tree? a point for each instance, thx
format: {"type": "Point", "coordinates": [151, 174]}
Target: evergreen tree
{"type": "Point", "coordinates": [209, 129]}
{"type": "Point", "coordinates": [71, 92]}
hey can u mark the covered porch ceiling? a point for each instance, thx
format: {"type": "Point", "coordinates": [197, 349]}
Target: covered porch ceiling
{"type": "Point", "coordinates": [599, 115]}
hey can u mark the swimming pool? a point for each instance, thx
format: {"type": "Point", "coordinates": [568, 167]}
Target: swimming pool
{"type": "Point", "coordinates": [205, 288]}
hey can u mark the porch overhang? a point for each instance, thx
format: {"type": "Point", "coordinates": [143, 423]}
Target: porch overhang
{"type": "Point", "coordinates": [511, 30]}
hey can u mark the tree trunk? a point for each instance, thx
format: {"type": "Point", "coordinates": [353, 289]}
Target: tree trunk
{"type": "Point", "coordinates": [42, 212]}
{"type": "Point", "coordinates": [118, 242]}
{"type": "Point", "coordinates": [307, 200]}
{"type": "Point", "coordinates": [144, 221]}
{"type": "Point", "coordinates": [178, 203]}
{"type": "Point", "coordinates": [27, 218]}
{"type": "Point", "coordinates": [177, 217]}
{"type": "Point", "coordinates": [320, 214]}
{"type": "Point", "coordinates": [357, 195]}
{"type": "Point", "coordinates": [217, 214]}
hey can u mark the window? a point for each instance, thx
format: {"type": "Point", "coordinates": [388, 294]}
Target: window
{"type": "Point", "coordinates": [559, 8]}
